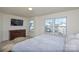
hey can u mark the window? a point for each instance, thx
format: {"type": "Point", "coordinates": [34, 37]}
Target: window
{"type": "Point", "coordinates": [60, 25]}
{"type": "Point", "coordinates": [31, 25]}
{"type": "Point", "coordinates": [56, 25]}
{"type": "Point", "coordinates": [48, 25]}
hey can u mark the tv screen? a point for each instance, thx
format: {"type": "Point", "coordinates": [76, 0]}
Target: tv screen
{"type": "Point", "coordinates": [16, 22]}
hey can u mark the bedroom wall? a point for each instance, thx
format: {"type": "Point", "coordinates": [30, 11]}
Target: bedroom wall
{"type": "Point", "coordinates": [72, 21]}
{"type": "Point", "coordinates": [5, 25]}
{"type": "Point", "coordinates": [1, 28]}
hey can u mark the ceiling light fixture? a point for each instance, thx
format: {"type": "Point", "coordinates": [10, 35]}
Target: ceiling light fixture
{"type": "Point", "coordinates": [30, 9]}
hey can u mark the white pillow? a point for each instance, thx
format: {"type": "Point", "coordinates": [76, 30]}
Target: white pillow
{"type": "Point", "coordinates": [77, 35]}
{"type": "Point", "coordinates": [71, 36]}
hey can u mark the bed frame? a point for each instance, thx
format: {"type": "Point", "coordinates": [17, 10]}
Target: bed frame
{"type": "Point", "coordinates": [17, 33]}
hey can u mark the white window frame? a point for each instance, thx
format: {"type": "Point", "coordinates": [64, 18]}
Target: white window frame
{"type": "Point", "coordinates": [54, 23]}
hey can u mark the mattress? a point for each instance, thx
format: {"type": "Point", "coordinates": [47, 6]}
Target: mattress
{"type": "Point", "coordinates": [41, 43]}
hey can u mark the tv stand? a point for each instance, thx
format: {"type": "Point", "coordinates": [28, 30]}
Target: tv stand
{"type": "Point", "coordinates": [17, 33]}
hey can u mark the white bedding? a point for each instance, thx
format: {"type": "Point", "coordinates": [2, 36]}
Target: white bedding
{"type": "Point", "coordinates": [41, 43]}
{"type": "Point", "coordinates": [72, 43]}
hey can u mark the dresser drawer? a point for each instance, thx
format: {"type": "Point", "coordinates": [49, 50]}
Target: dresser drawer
{"type": "Point", "coordinates": [17, 33]}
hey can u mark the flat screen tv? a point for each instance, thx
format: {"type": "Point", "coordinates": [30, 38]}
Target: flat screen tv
{"type": "Point", "coordinates": [16, 22]}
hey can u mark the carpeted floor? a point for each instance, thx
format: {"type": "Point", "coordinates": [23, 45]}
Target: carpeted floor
{"type": "Point", "coordinates": [7, 45]}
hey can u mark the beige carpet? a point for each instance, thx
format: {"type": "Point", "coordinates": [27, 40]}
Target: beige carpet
{"type": "Point", "coordinates": [7, 45]}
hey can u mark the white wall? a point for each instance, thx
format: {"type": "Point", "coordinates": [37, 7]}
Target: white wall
{"type": "Point", "coordinates": [1, 34]}
{"type": "Point", "coordinates": [5, 25]}
{"type": "Point", "coordinates": [72, 21]}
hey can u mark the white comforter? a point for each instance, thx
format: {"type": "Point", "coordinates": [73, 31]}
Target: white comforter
{"type": "Point", "coordinates": [41, 43]}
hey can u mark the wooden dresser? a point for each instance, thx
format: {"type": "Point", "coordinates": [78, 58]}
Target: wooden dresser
{"type": "Point", "coordinates": [17, 33]}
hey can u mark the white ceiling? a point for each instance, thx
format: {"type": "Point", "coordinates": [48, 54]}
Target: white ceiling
{"type": "Point", "coordinates": [23, 11]}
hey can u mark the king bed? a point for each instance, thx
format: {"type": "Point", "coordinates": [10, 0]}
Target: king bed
{"type": "Point", "coordinates": [41, 43]}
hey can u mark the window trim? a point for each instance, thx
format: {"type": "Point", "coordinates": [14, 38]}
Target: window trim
{"type": "Point", "coordinates": [29, 25]}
